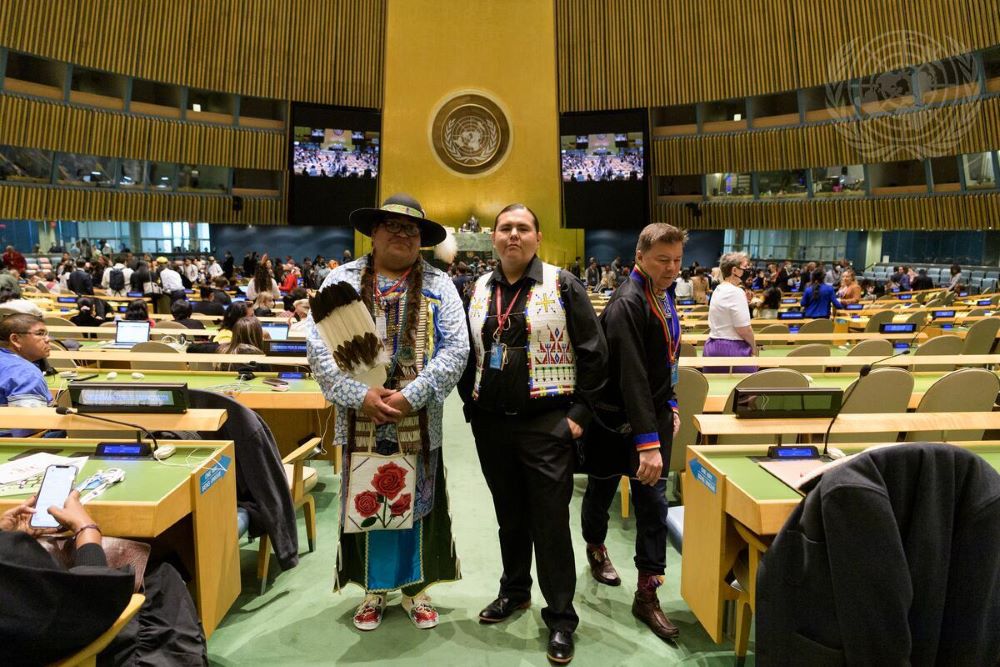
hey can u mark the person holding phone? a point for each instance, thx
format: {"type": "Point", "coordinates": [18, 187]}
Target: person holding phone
{"type": "Point", "coordinates": [50, 612]}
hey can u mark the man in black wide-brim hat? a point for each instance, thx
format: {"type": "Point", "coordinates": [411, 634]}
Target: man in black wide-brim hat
{"type": "Point", "coordinates": [419, 318]}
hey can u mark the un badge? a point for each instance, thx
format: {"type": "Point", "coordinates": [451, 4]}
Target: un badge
{"type": "Point", "coordinates": [470, 134]}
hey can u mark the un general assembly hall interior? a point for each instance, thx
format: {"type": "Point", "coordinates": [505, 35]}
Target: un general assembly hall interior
{"type": "Point", "coordinates": [664, 330]}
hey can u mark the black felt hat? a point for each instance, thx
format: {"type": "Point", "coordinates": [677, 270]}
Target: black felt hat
{"type": "Point", "coordinates": [399, 205]}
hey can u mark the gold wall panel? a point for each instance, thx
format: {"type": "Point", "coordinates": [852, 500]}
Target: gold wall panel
{"type": "Point", "coordinates": [327, 51]}
{"type": "Point", "coordinates": [59, 127]}
{"type": "Point", "coordinates": [927, 133]}
{"type": "Point", "coordinates": [438, 50]}
{"type": "Point", "coordinates": [945, 212]}
{"type": "Point", "coordinates": [618, 54]}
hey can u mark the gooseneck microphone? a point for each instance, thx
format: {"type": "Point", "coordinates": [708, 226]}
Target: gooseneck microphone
{"type": "Point", "coordinates": [61, 410]}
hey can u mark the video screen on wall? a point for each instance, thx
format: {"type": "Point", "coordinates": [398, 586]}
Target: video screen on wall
{"type": "Point", "coordinates": [605, 169]}
{"type": "Point", "coordinates": [334, 159]}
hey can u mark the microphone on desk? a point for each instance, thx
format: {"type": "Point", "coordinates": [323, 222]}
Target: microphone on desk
{"type": "Point", "coordinates": [863, 373]}
{"type": "Point", "coordinates": [62, 410]}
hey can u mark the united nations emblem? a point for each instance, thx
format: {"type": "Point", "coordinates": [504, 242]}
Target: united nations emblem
{"type": "Point", "coordinates": [470, 134]}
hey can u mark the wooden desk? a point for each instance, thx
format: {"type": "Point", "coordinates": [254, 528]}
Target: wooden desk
{"type": "Point", "coordinates": [107, 354]}
{"type": "Point", "coordinates": [720, 385]}
{"type": "Point", "coordinates": [725, 492]}
{"type": "Point", "coordinates": [46, 418]}
{"type": "Point", "coordinates": [841, 337]}
{"type": "Point", "coordinates": [876, 422]}
{"type": "Point", "coordinates": [845, 362]}
{"type": "Point", "coordinates": [292, 415]}
{"type": "Point", "coordinates": [178, 504]}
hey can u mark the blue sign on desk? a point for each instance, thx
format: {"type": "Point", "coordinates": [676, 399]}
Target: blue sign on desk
{"type": "Point", "coordinates": [214, 474]}
{"type": "Point", "coordinates": [702, 474]}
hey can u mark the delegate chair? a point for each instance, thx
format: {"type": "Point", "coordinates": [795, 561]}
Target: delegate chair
{"type": "Point", "coordinates": [56, 321]}
{"type": "Point", "coordinates": [775, 329]}
{"type": "Point", "coordinates": [939, 346]}
{"type": "Point", "coordinates": [885, 389]}
{"type": "Point", "coordinates": [301, 480]}
{"type": "Point", "coordinates": [981, 336]}
{"type": "Point", "coordinates": [160, 348]}
{"type": "Point", "coordinates": [688, 350]}
{"type": "Point", "coordinates": [871, 348]}
{"type": "Point", "coordinates": [877, 319]}
{"type": "Point", "coordinates": [61, 364]}
{"type": "Point", "coordinates": [917, 318]}
{"type": "Point", "coordinates": [810, 350]}
{"type": "Point", "coordinates": [170, 324]}
{"type": "Point", "coordinates": [692, 390]}
{"type": "Point", "coordinates": [820, 326]}
{"type": "Point", "coordinates": [964, 390]}
{"type": "Point", "coordinates": [87, 656]}
{"type": "Point", "coordinates": [768, 378]}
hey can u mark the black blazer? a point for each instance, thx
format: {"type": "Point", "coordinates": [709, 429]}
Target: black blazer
{"type": "Point", "coordinates": [47, 612]}
{"type": "Point", "coordinates": [892, 559]}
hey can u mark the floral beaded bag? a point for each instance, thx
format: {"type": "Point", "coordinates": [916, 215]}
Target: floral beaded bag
{"type": "Point", "coordinates": [381, 488]}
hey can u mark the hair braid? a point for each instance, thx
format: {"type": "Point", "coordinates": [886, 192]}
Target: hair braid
{"type": "Point", "coordinates": [367, 280]}
{"type": "Point", "coordinates": [414, 301]}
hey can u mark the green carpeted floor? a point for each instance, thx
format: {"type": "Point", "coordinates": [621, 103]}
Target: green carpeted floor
{"type": "Point", "coordinates": [300, 621]}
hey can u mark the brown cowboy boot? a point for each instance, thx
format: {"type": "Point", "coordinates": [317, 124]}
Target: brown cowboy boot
{"type": "Point", "coordinates": [601, 567]}
{"type": "Point", "coordinates": [646, 607]}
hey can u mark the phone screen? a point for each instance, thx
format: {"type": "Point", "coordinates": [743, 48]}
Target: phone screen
{"type": "Point", "coordinates": [56, 485]}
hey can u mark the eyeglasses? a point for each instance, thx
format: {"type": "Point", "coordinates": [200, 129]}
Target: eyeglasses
{"type": "Point", "coordinates": [40, 334]}
{"type": "Point", "coordinates": [395, 227]}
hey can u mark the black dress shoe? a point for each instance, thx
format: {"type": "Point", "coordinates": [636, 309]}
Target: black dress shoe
{"type": "Point", "coordinates": [501, 609]}
{"type": "Point", "coordinates": [560, 649]}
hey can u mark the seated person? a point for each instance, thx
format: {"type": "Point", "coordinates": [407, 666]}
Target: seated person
{"type": "Point", "coordinates": [50, 612]}
{"type": "Point", "coordinates": [236, 311]}
{"type": "Point", "coordinates": [289, 299]}
{"type": "Point", "coordinates": [24, 342]}
{"type": "Point", "coordinates": [299, 321]}
{"type": "Point", "coordinates": [86, 316]}
{"type": "Point", "coordinates": [12, 303]}
{"type": "Point", "coordinates": [181, 310]}
{"type": "Point", "coordinates": [213, 302]}
{"type": "Point", "coordinates": [248, 338]}
{"type": "Point", "coordinates": [138, 311]}
{"type": "Point", "coordinates": [263, 305]}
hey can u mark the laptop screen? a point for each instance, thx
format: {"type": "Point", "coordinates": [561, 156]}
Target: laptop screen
{"type": "Point", "coordinates": [132, 332]}
{"type": "Point", "coordinates": [276, 330]}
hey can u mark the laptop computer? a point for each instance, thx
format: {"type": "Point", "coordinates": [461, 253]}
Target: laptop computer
{"type": "Point", "coordinates": [128, 333]}
{"type": "Point", "coordinates": [276, 330]}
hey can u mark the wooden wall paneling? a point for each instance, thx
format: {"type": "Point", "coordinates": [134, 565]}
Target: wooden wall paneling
{"type": "Point", "coordinates": [108, 34]}
{"type": "Point", "coordinates": [163, 52]}
{"type": "Point", "coordinates": [209, 49]}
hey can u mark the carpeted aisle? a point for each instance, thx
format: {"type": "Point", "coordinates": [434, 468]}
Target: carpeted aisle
{"type": "Point", "coordinates": [300, 621]}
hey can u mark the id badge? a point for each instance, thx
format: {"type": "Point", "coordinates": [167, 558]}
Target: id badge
{"type": "Point", "coordinates": [380, 327]}
{"type": "Point", "coordinates": [496, 356]}
{"type": "Point", "coordinates": [675, 375]}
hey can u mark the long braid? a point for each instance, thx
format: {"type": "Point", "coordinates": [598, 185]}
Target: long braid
{"type": "Point", "coordinates": [367, 279]}
{"type": "Point", "coordinates": [414, 301]}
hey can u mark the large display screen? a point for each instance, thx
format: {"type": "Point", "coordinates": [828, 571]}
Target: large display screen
{"type": "Point", "coordinates": [605, 169]}
{"type": "Point", "coordinates": [334, 160]}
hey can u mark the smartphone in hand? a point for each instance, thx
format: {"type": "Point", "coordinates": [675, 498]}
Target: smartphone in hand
{"type": "Point", "coordinates": [56, 486]}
